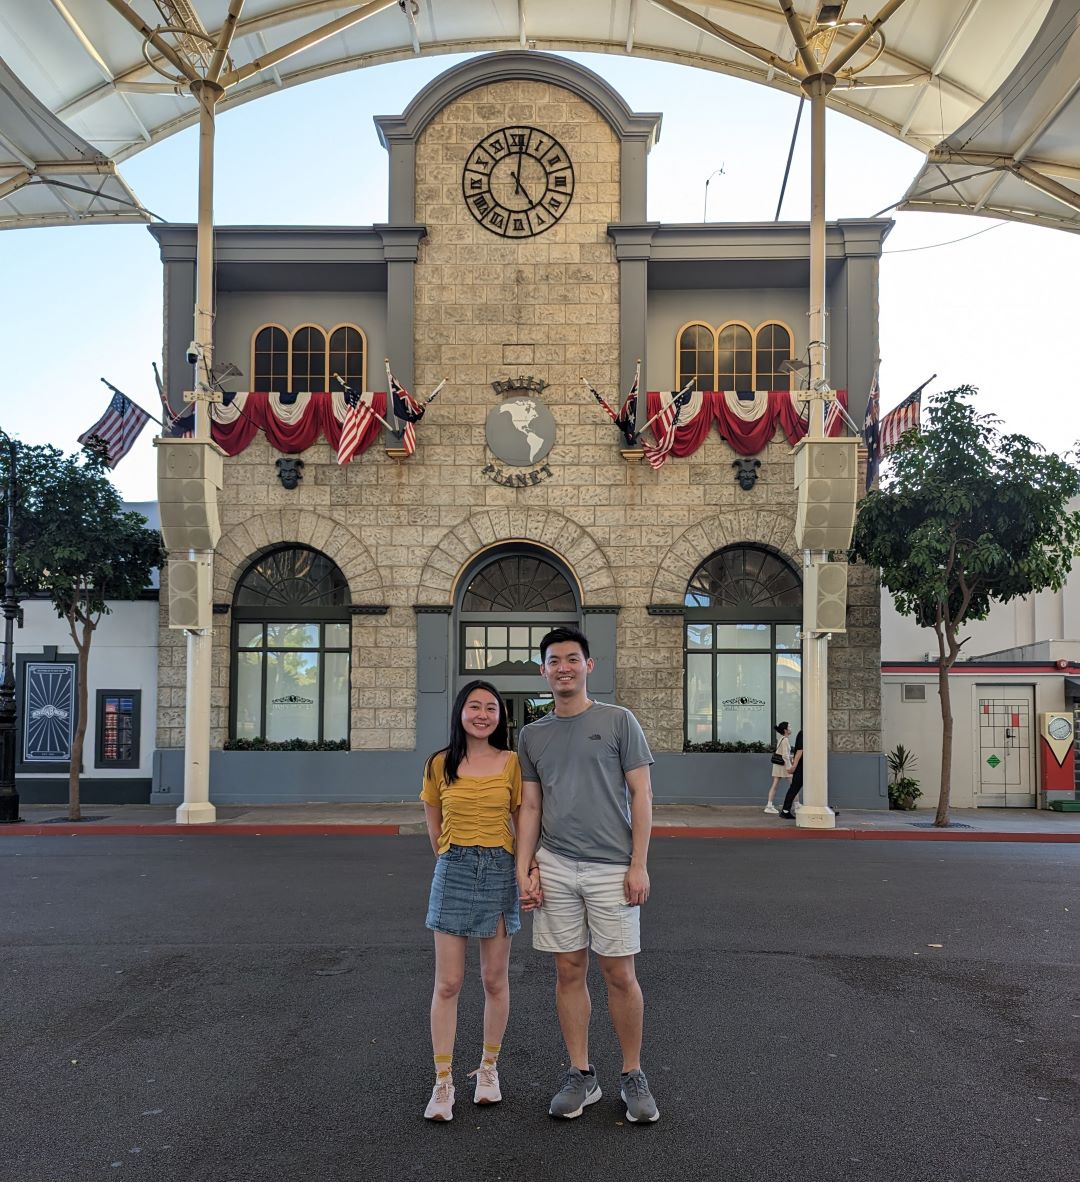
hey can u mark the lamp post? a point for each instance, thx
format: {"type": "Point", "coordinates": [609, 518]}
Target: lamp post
{"type": "Point", "coordinates": [715, 172]}
{"type": "Point", "coordinates": [9, 797]}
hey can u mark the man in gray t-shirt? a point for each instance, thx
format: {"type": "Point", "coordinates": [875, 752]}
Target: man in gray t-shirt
{"type": "Point", "coordinates": [587, 800]}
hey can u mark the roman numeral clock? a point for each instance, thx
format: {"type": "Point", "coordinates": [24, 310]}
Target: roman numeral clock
{"type": "Point", "coordinates": [518, 182]}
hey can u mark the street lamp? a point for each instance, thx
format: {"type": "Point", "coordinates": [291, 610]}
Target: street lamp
{"type": "Point", "coordinates": [715, 172]}
{"type": "Point", "coordinates": [9, 797]}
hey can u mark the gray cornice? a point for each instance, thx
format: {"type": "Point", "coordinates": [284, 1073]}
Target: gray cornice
{"type": "Point", "coordinates": [601, 609]}
{"type": "Point", "coordinates": [528, 66]}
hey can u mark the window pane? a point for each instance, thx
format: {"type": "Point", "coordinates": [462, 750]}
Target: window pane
{"type": "Point", "coordinates": [538, 634]}
{"type": "Point", "coordinates": [743, 636]}
{"type": "Point", "coordinates": [249, 635]}
{"type": "Point", "coordinates": [336, 696]}
{"type": "Point", "coordinates": [474, 658]}
{"type": "Point", "coordinates": [744, 697]}
{"type": "Point", "coordinates": [699, 635]}
{"type": "Point", "coordinates": [336, 636]}
{"type": "Point", "coordinates": [520, 656]}
{"type": "Point", "coordinates": [497, 637]}
{"type": "Point", "coordinates": [292, 635]}
{"type": "Point", "coordinates": [292, 696]}
{"type": "Point", "coordinates": [117, 729]}
{"type": "Point", "coordinates": [495, 656]}
{"type": "Point", "coordinates": [787, 636]}
{"type": "Point", "coordinates": [248, 694]}
{"type": "Point", "coordinates": [699, 698]}
{"type": "Point", "coordinates": [789, 690]}
{"type": "Point", "coordinates": [271, 360]}
{"type": "Point", "coordinates": [519, 637]}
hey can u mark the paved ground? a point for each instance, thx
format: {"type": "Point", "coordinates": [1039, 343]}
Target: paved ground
{"type": "Point", "coordinates": [239, 1010]}
{"type": "Point", "coordinates": [670, 820]}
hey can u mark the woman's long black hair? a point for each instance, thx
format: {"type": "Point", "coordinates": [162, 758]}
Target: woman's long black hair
{"type": "Point", "coordinates": [456, 748]}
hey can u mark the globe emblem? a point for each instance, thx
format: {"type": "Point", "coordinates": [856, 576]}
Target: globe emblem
{"type": "Point", "coordinates": [520, 431]}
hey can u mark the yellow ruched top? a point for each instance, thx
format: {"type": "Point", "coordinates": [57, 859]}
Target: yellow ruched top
{"type": "Point", "coordinates": [475, 809]}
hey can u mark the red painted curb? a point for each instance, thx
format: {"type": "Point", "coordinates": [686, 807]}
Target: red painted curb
{"type": "Point", "coordinates": [74, 829]}
{"type": "Point", "coordinates": [729, 832]}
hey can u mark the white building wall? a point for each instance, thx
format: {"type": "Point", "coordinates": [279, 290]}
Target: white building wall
{"type": "Point", "coordinates": [123, 656]}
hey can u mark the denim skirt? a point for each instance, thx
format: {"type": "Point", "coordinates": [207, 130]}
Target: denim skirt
{"type": "Point", "coordinates": [473, 885]}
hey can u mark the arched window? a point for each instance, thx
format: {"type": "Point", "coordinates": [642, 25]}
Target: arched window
{"type": "Point", "coordinates": [270, 359]}
{"type": "Point", "coordinates": [308, 359]}
{"type": "Point", "coordinates": [742, 612]}
{"type": "Point", "coordinates": [772, 345]}
{"type": "Point", "coordinates": [290, 675]}
{"type": "Point", "coordinates": [696, 357]}
{"type": "Point", "coordinates": [735, 358]}
{"type": "Point", "coordinates": [347, 355]}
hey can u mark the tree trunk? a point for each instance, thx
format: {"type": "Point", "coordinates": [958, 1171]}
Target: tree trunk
{"type": "Point", "coordinates": [941, 818]}
{"type": "Point", "coordinates": [82, 647]}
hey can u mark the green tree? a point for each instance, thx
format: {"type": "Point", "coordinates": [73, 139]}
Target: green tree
{"type": "Point", "coordinates": [967, 517]}
{"type": "Point", "coordinates": [76, 545]}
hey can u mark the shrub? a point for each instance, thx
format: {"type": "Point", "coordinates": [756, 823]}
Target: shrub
{"type": "Point", "coordinates": [729, 748]}
{"type": "Point", "coordinates": [286, 745]}
{"type": "Point", "coordinates": [903, 788]}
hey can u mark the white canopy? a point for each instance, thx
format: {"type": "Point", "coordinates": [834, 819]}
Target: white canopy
{"type": "Point", "coordinates": [936, 66]}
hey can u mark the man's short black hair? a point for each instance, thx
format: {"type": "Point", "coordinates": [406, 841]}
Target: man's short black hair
{"type": "Point", "coordinates": [565, 635]}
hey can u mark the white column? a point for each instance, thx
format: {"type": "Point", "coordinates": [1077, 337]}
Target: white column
{"type": "Point", "coordinates": [197, 809]}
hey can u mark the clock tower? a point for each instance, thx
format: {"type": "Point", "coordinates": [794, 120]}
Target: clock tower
{"type": "Point", "coordinates": [516, 165]}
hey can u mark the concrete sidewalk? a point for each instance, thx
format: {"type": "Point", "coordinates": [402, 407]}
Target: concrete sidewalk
{"type": "Point", "coordinates": [670, 821]}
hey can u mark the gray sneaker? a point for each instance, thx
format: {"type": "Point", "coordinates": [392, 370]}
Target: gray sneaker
{"type": "Point", "coordinates": [640, 1105]}
{"type": "Point", "coordinates": [578, 1091]}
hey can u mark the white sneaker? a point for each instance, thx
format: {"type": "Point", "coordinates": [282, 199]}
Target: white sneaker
{"type": "Point", "coordinates": [487, 1084]}
{"type": "Point", "coordinates": [771, 808]}
{"type": "Point", "coordinates": [441, 1104]}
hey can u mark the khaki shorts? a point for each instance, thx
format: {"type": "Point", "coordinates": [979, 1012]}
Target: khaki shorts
{"type": "Point", "coordinates": [584, 905]}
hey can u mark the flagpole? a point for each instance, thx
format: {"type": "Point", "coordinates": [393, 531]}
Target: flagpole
{"type": "Point", "coordinates": [151, 417]}
{"type": "Point", "coordinates": [664, 408]}
{"type": "Point", "coordinates": [374, 413]}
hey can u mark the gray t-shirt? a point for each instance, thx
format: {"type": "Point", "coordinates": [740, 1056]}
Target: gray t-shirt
{"type": "Point", "coordinates": [581, 765]}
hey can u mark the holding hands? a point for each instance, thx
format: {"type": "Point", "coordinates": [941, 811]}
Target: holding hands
{"type": "Point", "coordinates": [530, 893]}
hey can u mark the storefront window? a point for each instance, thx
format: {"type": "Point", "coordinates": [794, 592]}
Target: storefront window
{"type": "Point", "coordinates": [291, 649]}
{"type": "Point", "coordinates": [743, 655]}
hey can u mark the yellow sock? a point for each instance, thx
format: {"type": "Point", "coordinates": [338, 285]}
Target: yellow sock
{"type": "Point", "coordinates": [491, 1052]}
{"type": "Point", "coordinates": [443, 1066]}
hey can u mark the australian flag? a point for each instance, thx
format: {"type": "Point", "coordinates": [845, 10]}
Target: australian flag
{"type": "Point", "coordinates": [406, 410]}
{"type": "Point", "coordinates": [870, 433]}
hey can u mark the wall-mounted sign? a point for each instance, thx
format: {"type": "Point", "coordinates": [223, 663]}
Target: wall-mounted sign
{"type": "Point", "coordinates": [49, 712]}
{"type": "Point", "coordinates": [517, 479]}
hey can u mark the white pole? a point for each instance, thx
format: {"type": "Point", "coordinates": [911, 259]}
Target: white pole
{"type": "Point", "coordinates": [197, 809]}
{"type": "Point", "coordinates": [815, 812]}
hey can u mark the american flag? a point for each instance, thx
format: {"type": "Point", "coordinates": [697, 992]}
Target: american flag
{"type": "Point", "coordinates": [870, 432]}
{"type": "Point", "coordinates": [118, 428]}
{"type": "Point", "coordinates": [627, 420]}
{"type": "Point", "coordinates": [358, 419]}
{"type": "Point", "coordinates": [899, 421]}
{"type": "Point", "coordinates": [406, 410]}
{"type": "Point", "coordinates": [664, 428]}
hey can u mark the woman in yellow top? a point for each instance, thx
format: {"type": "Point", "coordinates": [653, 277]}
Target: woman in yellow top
{"type": "Point", "coordinates": [471, 795]}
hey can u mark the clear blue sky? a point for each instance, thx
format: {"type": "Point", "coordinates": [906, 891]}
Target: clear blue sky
{"type": "Point", "coordinates": [85, 302]}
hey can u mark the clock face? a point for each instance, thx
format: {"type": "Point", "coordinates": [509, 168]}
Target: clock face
{"type": "Point", "coordinates": [518, 182]}
{"type": "Point", "coordinates": [1060, 728]}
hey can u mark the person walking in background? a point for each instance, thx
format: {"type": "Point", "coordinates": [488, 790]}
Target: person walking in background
{"type": "Point", "coordinates": [471, 795]}
{"type": "Point", "coordinates": [587, 799]}
{"type": "Point", "coordinates": [787, 812]}
{"type": "Point", "coordinates": [781, 764]}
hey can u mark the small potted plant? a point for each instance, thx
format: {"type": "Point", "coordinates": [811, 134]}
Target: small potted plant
{"type": "Point", "coordinates": [903, 787]}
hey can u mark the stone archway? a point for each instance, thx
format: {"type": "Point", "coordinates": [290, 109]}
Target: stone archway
{"type": "Point", "coordinates": [703, 538]}
{"type": "Point", "coordinates": [240, 544]}
{"type": "Point", "coordinates": [543, 527]}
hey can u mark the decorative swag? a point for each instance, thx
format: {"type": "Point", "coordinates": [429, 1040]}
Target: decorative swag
{"type": "Point", "coordinates": [747, 423]}
{"type": "Point", "coordinates": [290, 422]}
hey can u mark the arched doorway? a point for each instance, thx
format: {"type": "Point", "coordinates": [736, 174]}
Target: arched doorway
{"type": "Point", "coordinates": [507, 599]}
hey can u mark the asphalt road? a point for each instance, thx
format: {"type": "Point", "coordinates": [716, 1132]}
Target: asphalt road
{"type": "Point", "coordinates": [256, 1009]}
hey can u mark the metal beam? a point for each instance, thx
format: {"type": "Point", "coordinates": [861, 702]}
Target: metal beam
{"type": "Point", "coordinates": [860, 39]}
{"type": "Point", "coordinates": [300, 43]}
{"type": "Point", "coordinates": [789, 69]}
{"type": "Point", "coordinates": [162, 46]}
{"type": "Point", "coordinates": [225, 39]}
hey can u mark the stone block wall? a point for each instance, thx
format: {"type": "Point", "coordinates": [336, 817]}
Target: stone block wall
{"type": "Point", "coordinates": [488, 309]}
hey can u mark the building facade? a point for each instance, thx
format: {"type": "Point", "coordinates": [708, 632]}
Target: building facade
{"type": "Point", "coordinates": [351, 601]}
